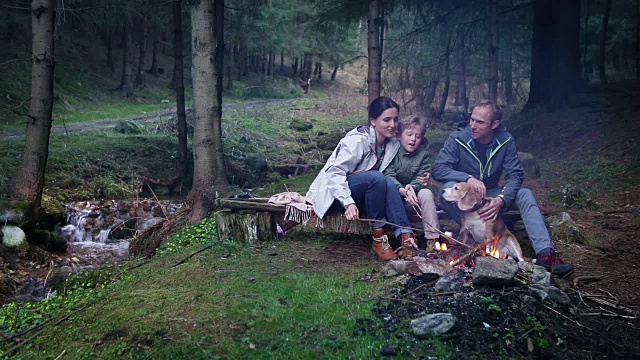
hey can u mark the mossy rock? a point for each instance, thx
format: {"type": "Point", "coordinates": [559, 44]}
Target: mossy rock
{"type": "Point", "coordinates": [570, 235]}
{"type": "Point", "coordinates": [528, 162]}
{"type": "Point", "coordinates": [300, 125]}
{"type": "Point", "coordinates": [565, 230]}
{"type": "Point", "coordinates": [8, 286]}
{"type": "Point", "coordinates": [128, 127]}
{"type": "Point", "coordinates": [329, 141]}
{"type": "Point", "coordinates": [14, 237]}
{"type": "Point", "coordinates": [12, 212]}
{"type": "Point", "coordinates": [48, 240]}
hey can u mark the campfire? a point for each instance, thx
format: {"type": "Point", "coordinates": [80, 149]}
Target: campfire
{"type": "Point", "coordinates": [456, 253]}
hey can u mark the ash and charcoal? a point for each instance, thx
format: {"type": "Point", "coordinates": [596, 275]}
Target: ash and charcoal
{"type": "Point", "coordinates": [497, 308]}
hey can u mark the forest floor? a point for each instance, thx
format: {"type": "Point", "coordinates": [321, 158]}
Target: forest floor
{"type": "Point", "coordinates": [309, 296]}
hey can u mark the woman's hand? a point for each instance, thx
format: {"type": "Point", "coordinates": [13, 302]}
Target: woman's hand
{"type": "Point", "coordinates": [411, 196]}
{"type": "Point", "coordinates": [351, 212]}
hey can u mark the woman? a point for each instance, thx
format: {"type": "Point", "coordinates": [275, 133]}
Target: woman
{"type": "Point", "coordinates": [352, 179]}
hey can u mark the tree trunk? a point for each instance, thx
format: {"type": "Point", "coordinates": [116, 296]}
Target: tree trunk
{"type": "Point", "coordinates": [445, 95]}
{"type": "Point", "coordinates": [319, 70]}
{"type": "Point", "coordinates": [555, 59]}
{"type": "Point", "coordinates": [143, 55]}
{"type": "Point", "coordinates": [240, 62]}
{"type": "Point", "coordinates": [272, 61]}
{"type": "Point", "coordinates": [507, 69]}
{"type": "Point", "coordinates": [154, 49]}
{"type": "Point", "coordinates": [246, 63]}
{"type": "Point", "coordinates": [207, 53]}
{"type": "Point", "coordinates": [493, 51]}
{"type": "Point", "coordinates": [109, 43]}
{"type": "Point", "coordinates": [126, 85]}
{"type": "Point", "coordinates": [461, 90]}
{"type": "Point", "coordinates": [308, 66]}
{"type": "Point", "coordinates": [229, 65]}
{"type": "Point", "coordinates": [637, 40]}
{"type": "Point", "coordinates": [178, 71]}
{"type": "Point", "coordinates": [263, 62]}
{"type": "Point", "coordinates": [334, 72]}
{"type": "Point", "coordinates": [373, 51]}
{"type": "Point", "coordinates": [603, 41]}
{"type": "Point", "coordinates": [29, 181]}
{"type": "Point", "coordinates": [447, 83]}
{"type": "Point", "coordinates": [281, 62]}
{"type": "Point", "coordinates": [295, 67]}
{"type": "Point", "coordinates": [565, 71]}
{"type": "Point", "coordinates": [585, 47]}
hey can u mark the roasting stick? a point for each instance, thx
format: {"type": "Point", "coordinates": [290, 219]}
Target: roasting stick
{"type": "Point", "coordinates": [438, 230]}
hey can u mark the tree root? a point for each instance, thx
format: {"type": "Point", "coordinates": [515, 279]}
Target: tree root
{"type": "Point", "coordinates": [146, 244]}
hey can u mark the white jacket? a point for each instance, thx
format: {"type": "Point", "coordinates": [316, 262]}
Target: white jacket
{"type": "Point", "coordinates": [356, 152]}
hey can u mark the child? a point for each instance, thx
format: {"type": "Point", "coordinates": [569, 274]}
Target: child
{"type": "Point", "coordinates": [411, 161]}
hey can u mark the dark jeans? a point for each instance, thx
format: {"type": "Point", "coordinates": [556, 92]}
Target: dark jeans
{"type": "Point", "coordinates": [379, 198]}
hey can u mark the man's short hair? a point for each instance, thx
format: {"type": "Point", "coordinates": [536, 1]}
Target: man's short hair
{"type": "Point", "coordinates": [412, 121]}
{"type": "Point", "coordinates": [494, 109]}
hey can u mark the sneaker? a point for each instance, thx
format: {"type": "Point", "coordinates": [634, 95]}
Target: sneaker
{"type": "Point", "coordinates": [550, 260]}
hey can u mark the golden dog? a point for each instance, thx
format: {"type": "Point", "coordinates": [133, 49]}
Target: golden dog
{"type": "Point", "coordinates": [494, 233]}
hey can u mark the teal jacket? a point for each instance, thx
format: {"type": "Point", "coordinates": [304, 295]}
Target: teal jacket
{"type": "Point", "coordinates": [406, 166]}
{"type": "Point", "coordinates": [458, 159]}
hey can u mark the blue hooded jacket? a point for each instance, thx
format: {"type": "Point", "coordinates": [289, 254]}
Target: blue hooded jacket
{"type": "Point", "coordinates": [458, 160]}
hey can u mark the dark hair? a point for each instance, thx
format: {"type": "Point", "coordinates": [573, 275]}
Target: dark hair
{"type": "Point", "coordinates": [494, 109]}
{"type": "Point", "coordinates": [411, 122]}
{"type": "Point", "coordinates": [379, 105]}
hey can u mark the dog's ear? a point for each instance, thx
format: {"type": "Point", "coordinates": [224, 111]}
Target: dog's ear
{"type": "Point", "coordinates": [470, 198]}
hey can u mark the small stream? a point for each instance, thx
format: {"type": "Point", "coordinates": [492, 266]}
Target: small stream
{"type": "Point", "coordinates": [97, 234]}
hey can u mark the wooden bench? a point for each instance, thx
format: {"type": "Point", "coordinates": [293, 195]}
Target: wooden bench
{"type": "Point", "coordinates": [254, 219]}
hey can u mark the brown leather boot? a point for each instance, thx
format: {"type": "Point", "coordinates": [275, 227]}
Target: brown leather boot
{"type": "Point", "coordinates": [407, 245]}
{"type": "Point", "coordinates": [381, 248]}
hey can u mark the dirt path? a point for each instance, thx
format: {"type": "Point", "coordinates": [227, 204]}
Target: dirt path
{"type": "Point", "coordinates": [150, 118]}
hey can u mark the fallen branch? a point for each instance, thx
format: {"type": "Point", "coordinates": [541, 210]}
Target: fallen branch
{"type": "Point", "coordinates": [566, 317]}
{"type": "Point", "coordinates": [64, 318]}
{"type": "Point", "coordinates": [192, 255]}
{"type": "Point", "coordinates": [579, 279]}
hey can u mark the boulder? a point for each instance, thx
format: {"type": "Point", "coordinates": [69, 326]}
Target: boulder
{"type": "Point", "coordinates": [128, 127]}
{"type": "Point", "coordinates": [256, 163]}
{"type": "Point", "coordinates": [13, 236]}
{"type": "Point", "coordinates": [564, 229]}
{"type": "Point", "coordinates": [433, 324]}
{"type": "Point", "coordinates": [537, 274]}
{"type": "Point", "coordinates": [300, 125]}
{"type": "Point", "coordinates": [395, 268]}
{"type": "Point", "coordinates": [428, 268]}
{"type": "Point", "coordinates": [528, 162]}
{"type": "Point", "coordinates": [8, 215]}
{"type": "Point", "coordinates": [451, 281]}
{"type": "Point", "coordinates": [494, 272]}
{"type": "Point", "coordinates": [558, 296]}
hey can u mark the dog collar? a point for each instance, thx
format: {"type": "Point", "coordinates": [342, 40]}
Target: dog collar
{"type": "Point", "coordinates": [478, 205]}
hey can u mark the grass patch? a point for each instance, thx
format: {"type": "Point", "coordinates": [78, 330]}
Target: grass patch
{"type": "Point", "coordinates": [231, 301]}
{"type": "Point", "coordinates": [99, 164]}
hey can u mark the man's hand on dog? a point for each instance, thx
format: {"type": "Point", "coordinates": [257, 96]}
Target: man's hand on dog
{"type": "Point", "coordinates": [351, 212]}
{"type": "Point", "coordinates": [489, 212]}
{"type": "Point", "coordinates": [478, 186]}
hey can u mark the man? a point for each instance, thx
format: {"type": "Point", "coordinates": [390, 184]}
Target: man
{"type": "Point", "coordinates": [479, 153]}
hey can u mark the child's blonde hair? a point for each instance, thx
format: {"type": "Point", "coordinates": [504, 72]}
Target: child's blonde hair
{"type": "Point", "coordinates": [410, 122]}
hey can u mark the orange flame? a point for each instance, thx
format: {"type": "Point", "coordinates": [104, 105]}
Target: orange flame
{"type": "Point", "coordinates": [437, 246]}
{"type": "Point", "coordinates": [444, 246]}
